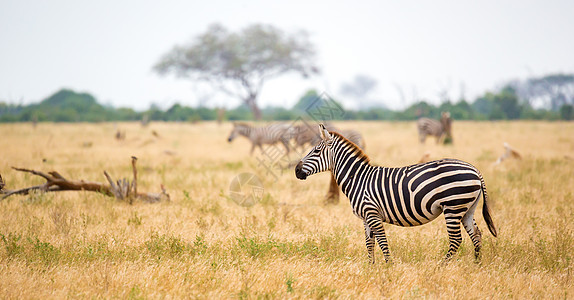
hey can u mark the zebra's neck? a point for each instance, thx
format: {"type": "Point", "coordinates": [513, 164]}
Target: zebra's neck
{"type": "Point", "coordinates": [245, 131]}
{"type": "Point", "coordinates": [349, 161]}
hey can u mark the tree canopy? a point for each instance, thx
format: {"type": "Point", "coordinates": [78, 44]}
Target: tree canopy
{"type": "Point", "coordinates": [239, 63]}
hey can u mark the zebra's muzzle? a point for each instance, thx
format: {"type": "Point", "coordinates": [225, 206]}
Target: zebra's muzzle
{"type": "Point", "coordinates": [299, 171]}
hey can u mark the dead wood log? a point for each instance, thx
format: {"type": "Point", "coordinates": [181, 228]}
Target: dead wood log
{"type": "Point", "coordinates": [121, 189]}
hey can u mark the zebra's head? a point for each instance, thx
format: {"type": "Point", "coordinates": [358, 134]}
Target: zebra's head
{"type": "Point", "coordinates": [234, 132]}
{"type": "Point", "coordinates": [319, 159]}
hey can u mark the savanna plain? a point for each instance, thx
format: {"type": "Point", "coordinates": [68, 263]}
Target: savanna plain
{"type": "Point", "coordinates": [289, 244]}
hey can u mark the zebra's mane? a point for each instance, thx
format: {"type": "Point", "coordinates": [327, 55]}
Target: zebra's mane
{"type": "Point", "coordinates": [356, 149]}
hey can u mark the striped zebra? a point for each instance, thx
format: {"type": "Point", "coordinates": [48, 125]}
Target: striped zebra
{"type": "Point", "coordinates": [406, 196]}
{"type": "Point", "coordinates": [259, 136]}
{"type": "Point", "coordinates": [439, 128]}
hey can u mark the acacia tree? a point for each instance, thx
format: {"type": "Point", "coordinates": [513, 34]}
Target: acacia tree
{"type": "Point", "coordinates": [239, 63]}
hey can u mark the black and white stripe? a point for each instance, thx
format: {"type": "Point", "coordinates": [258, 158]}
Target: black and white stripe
{"type": "Point", "coordinates": [405, 196]}
{"type": "Point", "coordinates": [438, 128]}
{"type": "Point", "coordinates": [266, 135]}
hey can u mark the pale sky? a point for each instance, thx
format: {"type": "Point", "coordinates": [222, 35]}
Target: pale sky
{"type": "Point", "coordinates": [108, 47]}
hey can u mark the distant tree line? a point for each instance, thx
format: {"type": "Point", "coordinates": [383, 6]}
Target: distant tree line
{"type": "Point", "coordinates": [69, 106]}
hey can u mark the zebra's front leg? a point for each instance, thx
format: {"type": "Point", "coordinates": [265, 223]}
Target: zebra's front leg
{"type": "Point", "coordinates": [370, 241]}
{"type": "Point", "coordinates": [376, 226]}
{"type": "Point", "coordinates": [440, 138]}
{"type": "Point", "coordinates": [286, 145]}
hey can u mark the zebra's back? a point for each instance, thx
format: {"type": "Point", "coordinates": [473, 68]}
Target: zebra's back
{"type": "Point", "coordinates": [270, 134]}
{"type": "Point", "coordinates": [428, 126]}
{"type": "Point", "coordinates": [417, 194]}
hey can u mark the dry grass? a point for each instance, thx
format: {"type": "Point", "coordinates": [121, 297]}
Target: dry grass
{"type": "Point", "coordinates": [203, 245]}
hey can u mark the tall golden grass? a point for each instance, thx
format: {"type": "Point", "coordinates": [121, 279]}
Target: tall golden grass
{"type": "Point", "coordinates": [202, 244]}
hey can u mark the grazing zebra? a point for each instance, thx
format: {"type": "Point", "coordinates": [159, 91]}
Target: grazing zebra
{"type": "Point", "coordinates": [406, 196]}
{"type": "Point", "coordinates": [259, 136]}
{"type": "Point", "coordinates": [440, 129]}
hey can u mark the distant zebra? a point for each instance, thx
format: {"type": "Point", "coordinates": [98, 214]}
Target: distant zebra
{"type": "Point", "coordinates": [303, 134]}
{"type": "Point", "coordinates": [259, 136]}
{"type": "Point", "coordinates": [405, 196]}
{"type": "Point", "coordinates": [439, 128]}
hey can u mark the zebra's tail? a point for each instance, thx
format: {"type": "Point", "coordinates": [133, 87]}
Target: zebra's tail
{"type": "Point", "coordinates": [485, 209]}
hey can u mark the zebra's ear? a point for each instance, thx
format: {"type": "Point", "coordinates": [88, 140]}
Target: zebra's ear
{"type": "Point", "coordinates": [325, 135]}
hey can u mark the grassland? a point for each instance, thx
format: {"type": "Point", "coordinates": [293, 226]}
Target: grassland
{"type": "Point", "coordinates": [201, 244]}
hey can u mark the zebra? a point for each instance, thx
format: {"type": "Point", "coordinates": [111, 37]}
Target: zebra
{"type": "Point", "coordinates": [440, 129]}
{"type": "Point", "coordinates": [405, 196]}
{"type": "Point", "coordinates": [259, 136]}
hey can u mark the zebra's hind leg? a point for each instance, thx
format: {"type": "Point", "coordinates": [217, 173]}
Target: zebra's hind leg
{"type": "Point", "coordinates": [453, 229]}
{"type": "Point", "coordinates": [472, 229]}
{"type": "Point", "coordinates": [422, 137]}
{"type": "Point", "coordinates": [475, 235]}
{"type": "Point", "coordinates": [376, 226]}
{"type": "Point", "coordinates": [370, 241]}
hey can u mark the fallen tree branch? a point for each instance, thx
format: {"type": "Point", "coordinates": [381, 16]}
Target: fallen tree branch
{"type": "Point", "coordinates": [122, 189]}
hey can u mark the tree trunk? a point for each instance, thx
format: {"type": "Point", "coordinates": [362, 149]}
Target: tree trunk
{"type": "Point", "coordinates": [252, 103]}
{"type": "Point", "coordinates": [332, 196]}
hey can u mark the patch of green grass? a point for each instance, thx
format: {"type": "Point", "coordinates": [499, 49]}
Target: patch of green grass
{"type": "Point", "coordinates": [12, 243]}
{"type": "Point", "coordinates": [289, 281]}
{"type": "Point", "coordinates": [330, 246]}
{"type": "Point", "coordinates": [187, 197]}
{"type": "Point", "coordinates": [44, 251]}
{"type": "Point", "coordinates": [135, 220]}
{"type": "Point", "coordinates": [234, 165]}
{"type": "Point", "coordinates": [164, 246]}
{"type": "Point", "coordinates": [30, 248]}
{"type": "Point", "coordinates": [254, 247]}
{"type": "Point", "coordinates": [135, 293]}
